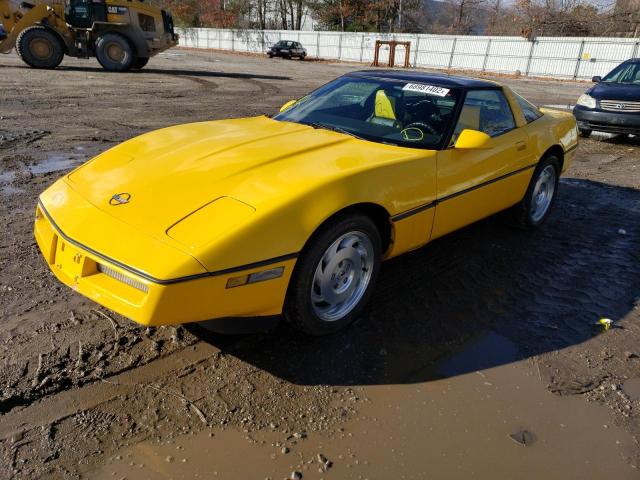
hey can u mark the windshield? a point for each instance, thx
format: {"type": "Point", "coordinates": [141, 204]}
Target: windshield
{"type": "Point", "coordinates": [626, 73]}
{"type": "Point", "coordinates": [407, 114]}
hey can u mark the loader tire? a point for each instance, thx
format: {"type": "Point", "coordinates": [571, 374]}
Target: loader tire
{"type": "Point", "coordinates": [140, 63]}
{"type": "Point", "coordinates": [39, 47]}
{"type": "Point", "coordinates": [114, 52]}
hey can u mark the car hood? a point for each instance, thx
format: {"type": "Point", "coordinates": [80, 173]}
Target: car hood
{"type": "Point", "coordinates": [166, 175]}
{"type": "Point", "coordinates": [615, 91]}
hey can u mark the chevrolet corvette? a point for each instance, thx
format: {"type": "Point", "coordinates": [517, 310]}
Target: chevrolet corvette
{"type": "Point", "coordinates": [293, 214]}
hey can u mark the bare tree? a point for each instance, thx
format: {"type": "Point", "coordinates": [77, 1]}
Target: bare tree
{"type": "Point", "coordinates": [462, 21]}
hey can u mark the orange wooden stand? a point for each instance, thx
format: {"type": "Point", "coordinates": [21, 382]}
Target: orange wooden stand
{"type": "Point", "coordinates": [392, 52]}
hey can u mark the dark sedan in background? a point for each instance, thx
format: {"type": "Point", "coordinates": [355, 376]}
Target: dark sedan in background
{"type": "Point", "coordinates": [613, 104]}
{"type": "Point", "coordinates": [287, 49]}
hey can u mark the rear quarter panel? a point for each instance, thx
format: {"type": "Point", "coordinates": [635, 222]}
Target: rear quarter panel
{"type": "Point", "coordinates": [556, 127]}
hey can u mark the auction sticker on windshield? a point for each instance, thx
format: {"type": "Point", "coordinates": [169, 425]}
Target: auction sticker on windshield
{"type": "Point", "coordinates": [428, 89]}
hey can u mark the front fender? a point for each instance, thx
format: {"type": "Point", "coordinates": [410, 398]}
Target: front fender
{"type": "Point", "coordinates": [283, 225]}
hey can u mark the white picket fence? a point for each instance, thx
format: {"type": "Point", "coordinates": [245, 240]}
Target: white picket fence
{"type": "Point", "coordinates": [558, 57]}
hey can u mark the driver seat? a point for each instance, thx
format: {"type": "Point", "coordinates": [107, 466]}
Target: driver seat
{"type": "Point", "coordinates": [384, 111]}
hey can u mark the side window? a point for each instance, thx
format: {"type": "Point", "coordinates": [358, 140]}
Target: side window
{"type": "Point", "coordinates": [487, 111]}
{"type": "Point", "coordinates": [147, 22]}
{"type": "Point", "coordinates": [351, 93]}
{"type": "Point", "coordinates": [529, 110]}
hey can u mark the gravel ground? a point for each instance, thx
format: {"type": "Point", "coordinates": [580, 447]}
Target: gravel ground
{"type": "Point", "coordinates": [79, 383]}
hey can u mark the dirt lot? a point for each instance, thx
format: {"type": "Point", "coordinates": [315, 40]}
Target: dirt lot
{"type": "Point", "coordinates": [479, 357]}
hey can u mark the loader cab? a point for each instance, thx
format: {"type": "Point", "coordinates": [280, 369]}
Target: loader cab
{"type": "Point", "coordinates": [83, 13]}
{"type": "Point", "coordinates": [167, 22]}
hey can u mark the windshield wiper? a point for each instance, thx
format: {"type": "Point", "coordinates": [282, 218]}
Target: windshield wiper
{"type": "Point", "coordinates": [332, 128]}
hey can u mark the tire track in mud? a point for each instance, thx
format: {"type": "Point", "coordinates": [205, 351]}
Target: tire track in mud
{"type": "Point", "coordinates": [264, 88]}
{"type": "Point", "coordinates": [202, 82]}
{"type": "Point", "coordinates": [27, 137]}
{"type": "Point", "coordinates": [118, 347]}
{"type": "Point", "coordinates": [58, 406]}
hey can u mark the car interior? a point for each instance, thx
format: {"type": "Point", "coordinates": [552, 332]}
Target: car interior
{"type": "Point", "coordinates": [392, 113]}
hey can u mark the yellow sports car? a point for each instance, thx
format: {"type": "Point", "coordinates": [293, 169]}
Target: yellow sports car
{"type": "Point", "coordinates": [292, 215]}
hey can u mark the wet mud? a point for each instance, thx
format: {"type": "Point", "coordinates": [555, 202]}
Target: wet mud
{"type": "Point", "coordinates": [480, 356]}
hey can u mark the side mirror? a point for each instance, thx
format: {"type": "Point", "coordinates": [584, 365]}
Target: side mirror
{"type": "Point", "coordinates": [596, 79]}
{"type": "Point", "coordinates": [287, 105]}
{"type": "Point", "coordinates": [472, 139]}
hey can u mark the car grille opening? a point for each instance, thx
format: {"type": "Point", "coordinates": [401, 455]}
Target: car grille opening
{"type": "Point", "coordinates": [123, 278]}
{"type": "Point", "coordinates": [620, 106]}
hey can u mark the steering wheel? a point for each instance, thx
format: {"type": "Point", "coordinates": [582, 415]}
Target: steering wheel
{"type": "Point", "coordinates": [425, 127]}
{"type": "Point", "coordinates": [423, 107]}
{"type": "Point", "coordinates": [412, 137]}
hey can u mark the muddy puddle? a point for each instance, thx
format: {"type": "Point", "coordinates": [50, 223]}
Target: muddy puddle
{"type": "Point", "coordinates": [495, 422]}
{"type": "Point", "coordinates": [7, 177]}
{"type": "Point", "coordinates": [57, 163]}
{"type": "Point", "coordinates": [8, 190]}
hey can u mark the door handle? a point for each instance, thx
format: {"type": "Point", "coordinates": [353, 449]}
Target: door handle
{"type": "Point", "coordinates": [521, 146]}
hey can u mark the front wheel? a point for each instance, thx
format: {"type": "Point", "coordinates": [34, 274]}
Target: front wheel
{"type": "Point", "coordinates": [537, 203]}
{"type": "Point", "coordinates": [335, 276]}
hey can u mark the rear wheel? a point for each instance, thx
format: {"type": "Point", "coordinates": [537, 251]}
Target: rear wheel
{"type": "Point", "coordinates": [39, 47]}
{"type": "Point", "coordinates": [114, 52]}
{"type": "Point", "coordinates": [335, 276]}
{"type": "Point", "coordinates": [537, 203]}
{"type": "Point", "coordinates": [140, 62]}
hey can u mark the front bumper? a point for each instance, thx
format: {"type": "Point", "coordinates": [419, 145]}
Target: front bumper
{"type": "Point", "coordinates": [606, 121]}
{"type": "Point", "coordinates": [152, 303]}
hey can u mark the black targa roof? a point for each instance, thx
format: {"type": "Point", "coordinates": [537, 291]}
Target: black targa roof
{"type": "Point", "coordinates": [440, 79]}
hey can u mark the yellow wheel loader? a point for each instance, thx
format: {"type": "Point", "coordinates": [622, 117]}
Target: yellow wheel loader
{"type": "Point", "coordinates": [121, 34]}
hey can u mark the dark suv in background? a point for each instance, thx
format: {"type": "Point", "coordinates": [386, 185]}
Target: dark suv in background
{"type": "Point", "coordinates": [287, 49]}
{"type": "Point", "coordinates": [613, 104]}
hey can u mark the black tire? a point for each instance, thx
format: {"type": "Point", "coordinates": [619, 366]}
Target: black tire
{"type": "Point", "coordinates": [114, 52]}
{"type": "Point", "coordinates": [140, 62]}
{"type": "Point", "coordinates": [270, 55]}
{"type": "Point", "coordinates": [585, 133]}
{"type": "Point", "coordinates": [302, 57]}
{"type": "Point", "coordinates": [299, 310]}
{"type": "Point", "coordinates": [39, 47]}
{"type": "Point", "coordinates": [522, 212]}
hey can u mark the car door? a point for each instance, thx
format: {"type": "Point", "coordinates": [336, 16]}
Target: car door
{"type": "Point", "coordinates": [475, 183]}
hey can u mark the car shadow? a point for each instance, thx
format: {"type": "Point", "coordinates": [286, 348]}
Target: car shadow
{"type": "Point", "coordinates": [620, 139]}
{"type": "Point", "coordinates": [513, 294]}
{"type": "Point", "coordinates": [171, 72]}
{"type": "Point", "coordinates": [206, 74]}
